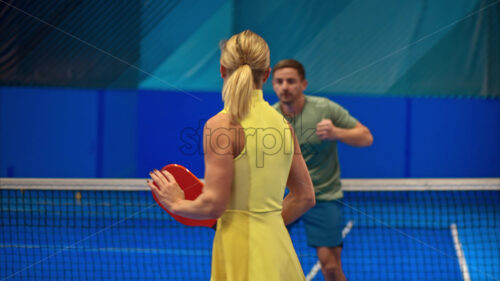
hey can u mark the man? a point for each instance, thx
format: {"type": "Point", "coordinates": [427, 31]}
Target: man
{"type": "Point", "coordinates": [319, 123]}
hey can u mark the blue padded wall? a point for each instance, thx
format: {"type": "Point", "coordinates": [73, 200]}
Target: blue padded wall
{"type": "Point", "coordinates": [112, 133]}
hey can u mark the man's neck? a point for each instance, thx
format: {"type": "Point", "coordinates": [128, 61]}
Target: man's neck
{"type": "Point", "coordinates": [295, 108]}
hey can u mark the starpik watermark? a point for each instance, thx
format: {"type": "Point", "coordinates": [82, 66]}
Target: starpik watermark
{"type": "Point", "coordinates": [262, 142]}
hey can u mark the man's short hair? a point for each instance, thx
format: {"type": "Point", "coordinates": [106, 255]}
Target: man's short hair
{"type": "Point", "coordinates": [290, 63]}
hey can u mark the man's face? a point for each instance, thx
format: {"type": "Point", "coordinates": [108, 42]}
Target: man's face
{"type": "Point", "coordinates": [288, 85]}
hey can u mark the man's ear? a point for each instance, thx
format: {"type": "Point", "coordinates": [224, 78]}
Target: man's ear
{"type": "Point", "coordinates": [304, 85]}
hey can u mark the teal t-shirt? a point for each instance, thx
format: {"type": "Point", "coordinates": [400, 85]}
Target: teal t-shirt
{"type": "Point", "coordinates": [320, 156]}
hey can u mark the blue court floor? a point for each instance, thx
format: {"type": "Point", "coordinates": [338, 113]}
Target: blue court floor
{"type": "Point", "coordinates": [125, 236]}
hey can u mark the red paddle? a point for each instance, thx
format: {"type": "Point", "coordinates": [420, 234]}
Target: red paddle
{"type": "Point", "coordinates": [192, 188]}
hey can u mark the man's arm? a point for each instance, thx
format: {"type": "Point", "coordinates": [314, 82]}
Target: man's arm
{"type": "Point", "coordinates": [358, 136]}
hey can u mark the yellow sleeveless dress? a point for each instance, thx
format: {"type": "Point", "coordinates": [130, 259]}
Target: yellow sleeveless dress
{"type": "Point", "coordinates": [251, 242]}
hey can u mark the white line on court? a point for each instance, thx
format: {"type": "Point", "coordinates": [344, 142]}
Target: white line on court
{"type": "Point", "coordinates": [315, 269]}
{"type": "Point", "coordinates": [460, 253]}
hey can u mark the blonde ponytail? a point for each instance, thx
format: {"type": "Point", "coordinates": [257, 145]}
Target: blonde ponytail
{"type": "Point", "coordinates": [245, 56]}
{"type": "Point", "coordinates": [237, 92]}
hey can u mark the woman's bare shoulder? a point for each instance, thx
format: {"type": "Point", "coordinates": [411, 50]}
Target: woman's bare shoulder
{"type": "Point", "coordinates": [220, 120]}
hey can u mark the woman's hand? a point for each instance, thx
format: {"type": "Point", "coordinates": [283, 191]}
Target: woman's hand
{"type": "Point", "coordinates": [167, 190]}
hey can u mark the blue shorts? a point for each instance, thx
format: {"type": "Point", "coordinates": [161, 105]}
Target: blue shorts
{"type": "Point", "coordinates": [324, 224]}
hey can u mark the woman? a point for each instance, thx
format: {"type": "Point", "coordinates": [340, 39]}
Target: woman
{"type": "Point", "coordinates": [251, 154]}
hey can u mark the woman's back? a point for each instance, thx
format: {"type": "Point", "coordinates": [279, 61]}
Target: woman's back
{"type": "Point", "coordinates": [261, 170]}
{"type": "Point", "coordinates": [251, 242]}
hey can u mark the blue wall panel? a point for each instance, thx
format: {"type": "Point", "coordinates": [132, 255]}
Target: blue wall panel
{"type": "Point", "coordinates": [48, 132]}
{"type": "Point", "coordinates": [118, 134]}
{"type": "Point", "coordinates": [125, 134]}
{"type": "Point", "coordinates": [170, 128]}
{"type": "Point", "coordinates": [455, 138]}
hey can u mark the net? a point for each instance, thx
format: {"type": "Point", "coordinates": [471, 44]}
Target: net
{"type": "Point", "coordinates": [102, 229]}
